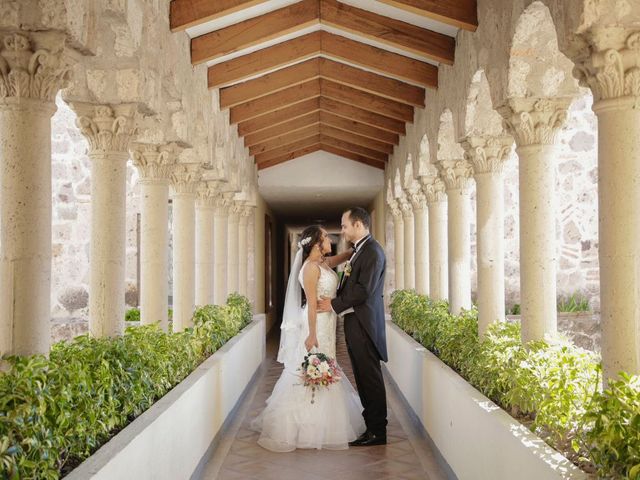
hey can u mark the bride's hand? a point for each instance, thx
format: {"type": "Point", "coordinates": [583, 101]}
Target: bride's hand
{"type": "Point", "coordinates": [310, 342]}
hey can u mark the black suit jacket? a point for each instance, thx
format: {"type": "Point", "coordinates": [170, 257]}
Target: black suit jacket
{"type": "Point", "coordinates": [363, 290]}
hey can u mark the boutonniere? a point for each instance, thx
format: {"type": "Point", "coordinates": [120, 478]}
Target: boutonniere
{"type": "Point", "coordinates": [347, 269]}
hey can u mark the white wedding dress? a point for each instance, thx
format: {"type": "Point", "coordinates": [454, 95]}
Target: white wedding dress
{"type": "Point", "coordinates": [290, 420]}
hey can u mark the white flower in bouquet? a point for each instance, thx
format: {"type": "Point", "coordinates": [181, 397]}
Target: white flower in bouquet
{"type": "Point", "coordinates": [319, 370]}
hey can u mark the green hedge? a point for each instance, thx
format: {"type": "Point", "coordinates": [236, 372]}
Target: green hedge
{"type": "Point", "coordinates": [553, 389]}
{"type": "Point", "coordinates": [56, 412]}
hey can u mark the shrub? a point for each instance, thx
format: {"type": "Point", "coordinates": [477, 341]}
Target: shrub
{"type": "Point", "coordinates": [553, 388]}
{"type": "Point", "coordinates": [575, 302]}
{"type": "Point", "coordinates": [613, 439]}
{"type": "Point", "coordinates": [132, 315]}
{"type": "Point", "coordinates": [56, 412]}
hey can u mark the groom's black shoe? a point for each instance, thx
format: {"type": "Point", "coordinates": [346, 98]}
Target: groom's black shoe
{"type": "Point", "coordinates": [368, 439]}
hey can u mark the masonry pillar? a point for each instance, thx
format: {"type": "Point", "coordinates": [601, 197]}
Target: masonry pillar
{"type": "Point", "coordinates": [534, 123]}
{"type": "Point", "coordinates": [184, 185]}
{"type": "Point", "coordinates": [611, 70]}
{"type": "Point", "coordinates": [220, 222]}
{"type": "Point", "coordinates": [109, 130]}
{"type": "Point", "coordinates": [433, 188]}
{"type": "Point", "coordinates": [155, 164]}
{"type": "Point", "coordinates": [487, 156]}
{"type": "Point", "coordinates": [205, 209]}
{"type": "Point", "coordinates": [456, 175]}
{"type": "Point", "coordinates": [33, 71]}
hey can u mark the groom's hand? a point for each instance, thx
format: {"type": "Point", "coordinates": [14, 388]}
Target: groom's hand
{"type": "Point", "coordinates": [324, 304]}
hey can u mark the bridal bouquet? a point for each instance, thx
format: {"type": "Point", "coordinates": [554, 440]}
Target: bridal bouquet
{"type": "Point", "coordinates": [319, 370]}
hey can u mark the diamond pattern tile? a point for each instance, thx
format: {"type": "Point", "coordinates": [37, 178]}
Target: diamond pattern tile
{"type": "Point", "coordinates": [238, 456]}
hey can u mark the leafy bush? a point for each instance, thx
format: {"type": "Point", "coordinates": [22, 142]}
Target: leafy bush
{"type": "Point", "coordinates": [614, 438]}
{"type": "Point", "coordinates": [132, 315]}
{"type": "Point", "coordinates": [56, 412]}
{"type": "Point", "coordinates": [515, 309]}
{"type": "Point", "coordinates": [576, 302]}
{"type": "Point", "coordinates": [554, 389]}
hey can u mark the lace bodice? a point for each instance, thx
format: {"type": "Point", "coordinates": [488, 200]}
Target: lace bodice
{"type": "Point", "coordinates": [327, 283]}
{"type": "Point", "coordinates": [326, 322]}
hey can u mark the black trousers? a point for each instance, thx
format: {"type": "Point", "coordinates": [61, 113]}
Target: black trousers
{"type": "Point", "coordinates": [368, 374]}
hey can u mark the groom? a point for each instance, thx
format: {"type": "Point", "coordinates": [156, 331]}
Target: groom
{"type": "Point", "coordinates": [359, 299]}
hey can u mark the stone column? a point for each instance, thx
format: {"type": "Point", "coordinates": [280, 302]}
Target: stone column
{"type": "Point", "coordinates": [109, 129]}
{"type": "Point", "coordinates": [611, 70]}
{"type": "Point", "coordinates": [419, 207]}
{"type": "Point", "coordinates": [155, 164]}
{"type": "Point", "coordinates": [534, 124]}
{"type": "Point", "coordinates": [398, 239]}
{"type": "Point", "coordinates": [184, 184]}
{"type": "Point", "coordinates": [205, 209]}
{"type": "Point", "coordinates": [456, 175]}
{"type": "Point", "coordinates": [433, 188]}
{"type": "Point", "coordinates": [487, 156]}
{"type": "Point", "coordinates": [32, 72]}
{"type": "Point", "coordinates": [233, 263]}
{"type": "Point", "coordinates": [243, 247]}
{"type": "Point", "coordinates": [220, 221]}
{"type": "Point", "coordinates": [409, 244]}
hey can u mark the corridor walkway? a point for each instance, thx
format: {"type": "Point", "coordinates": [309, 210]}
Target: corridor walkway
{"type": "Point", "coordinates": [407, 455]}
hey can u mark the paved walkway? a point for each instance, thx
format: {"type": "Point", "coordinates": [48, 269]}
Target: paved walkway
{"type": "Point", "coordinates": [406, 456]}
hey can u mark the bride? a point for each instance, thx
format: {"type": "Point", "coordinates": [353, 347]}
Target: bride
{"type": "Point", "coordinates": [290, 420]}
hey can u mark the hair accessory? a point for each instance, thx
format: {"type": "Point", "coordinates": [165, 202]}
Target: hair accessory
{"type": "Point", "coordinates": [304, 242]}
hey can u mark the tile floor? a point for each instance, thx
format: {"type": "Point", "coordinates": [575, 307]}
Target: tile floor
{"type": "Point", "coordinates": [238, 456]}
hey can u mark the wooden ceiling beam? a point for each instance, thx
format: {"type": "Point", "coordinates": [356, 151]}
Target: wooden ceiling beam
{"type": "Point", "coordinates": [288, 148]}
{"type": "Point", "coordinates": [270, 58]}
{"type": "Point", "coordinates": [285, 139]}
{"type": "Point", "coordinates": [329, 131]}
{"type": "Point", "coordinates": [323, 43]}
{"type": "Point", "coordinates": [361, 129]}
{"type": "Point", "coordinates": [371, 82]}
{"type": "Point", "coordinates": [270, 83]}
{"type": "Point", "coordinates": [366, 101]}
{"type": "Point", "coordinates": [279, 116]}
{"type": "Point", "coordinates": [379, 60]}
{"type": "Point", "coordinates": [254, 31]}
{"type": "Point", "coordinates": [188, 13]}
{"type": "Point", "coordinates": [353, 156]}
{"type": "Point", "coordinates": [363, 116]}
{"type": "Point", "coordinates": [318, 67]}
{"type": "Point", "coordinates": [289, 156]}
{"type": "Point", "coordinates": [458, 13]}
{"type": "Point", "coordinates": [275, 101]}
{"type": "Point", "coordinates": [286, 127]}
{"type": "Point", "coordinates": [433, 45]}
{"type": "Point", "coordinates": [353, 148]}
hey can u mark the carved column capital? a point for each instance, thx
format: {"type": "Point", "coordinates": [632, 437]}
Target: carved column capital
{"type": "Point", "coordinates": [154, 162]}
{"type": "Point", "coordinates": [185, 178]}
{"type": "Point", "coordinates": [455, 174]}
{"type": "Point", "coordinates": [222, 203]}
{"type": "Point", "coordinates": [392, 202]}
{"type": "Point", "coordinates": [108, 128]}
{"type": "Point", "coordinates": [433, 186]}
{"type": "Point", "coordinates": [612, 72]}
{"type": "Point", "coordinates": [32, 65]}
{"type": "Point", "coordinates": [535, 121]}
{"type": "Point", "coordinates": [207, 191]}
{"type": "Point", "coordinates": [245, 213]}
{"type": "Point", "coordinates": [487, 154]}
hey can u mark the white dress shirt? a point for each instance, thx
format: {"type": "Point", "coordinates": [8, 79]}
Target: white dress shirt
{"type": "Point", "coordinates": [356, 247]}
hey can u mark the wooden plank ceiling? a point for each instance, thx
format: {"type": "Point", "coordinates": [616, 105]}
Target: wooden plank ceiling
{"type": "Point", "coordinates": [321, 74]}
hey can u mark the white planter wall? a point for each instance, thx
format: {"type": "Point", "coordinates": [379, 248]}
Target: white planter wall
{"type": "Point", "coordinates": [478, 439]}
{"type": "Point", "coordinates": [168, 441]}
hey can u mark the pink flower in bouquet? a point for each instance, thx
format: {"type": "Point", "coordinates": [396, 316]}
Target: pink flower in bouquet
{"type": "Point", "coordinates": [318, 370]}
